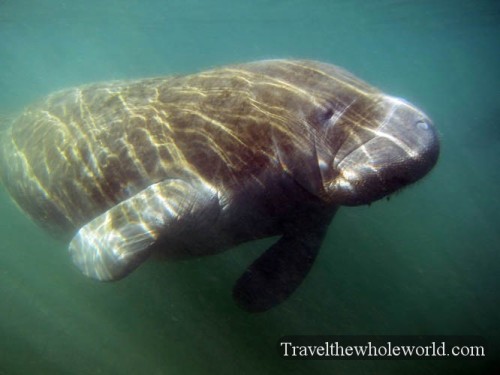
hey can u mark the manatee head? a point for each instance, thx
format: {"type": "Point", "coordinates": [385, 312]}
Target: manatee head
{"type": "Point", "coordinates": [373, 146]}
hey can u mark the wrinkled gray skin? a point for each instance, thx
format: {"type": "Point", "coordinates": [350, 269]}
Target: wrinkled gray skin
{"type": "Point", "coordinates": [190, 166]}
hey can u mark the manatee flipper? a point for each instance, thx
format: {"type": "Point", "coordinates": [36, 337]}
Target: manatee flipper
{"type": "Point", "coordinates": [279, 271]}
{"type": "Point", "coordinates": [118, 241]}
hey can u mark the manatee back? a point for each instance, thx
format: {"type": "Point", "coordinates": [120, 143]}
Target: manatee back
{"type": "Point", "coordinates": [79, 152]}
{"type": "Point", "coordinates": [68, 158]}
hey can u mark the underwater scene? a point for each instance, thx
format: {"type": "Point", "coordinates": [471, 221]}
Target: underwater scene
{"type": "Point", "coordinates": [198, 187]}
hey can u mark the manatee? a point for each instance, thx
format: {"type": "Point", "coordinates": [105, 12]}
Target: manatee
{"type": "Point", "coordinates": [188, 166]}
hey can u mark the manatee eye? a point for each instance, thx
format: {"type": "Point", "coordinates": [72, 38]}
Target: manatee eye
{"type": "Point", "coordinates": [325, 115]}
{"type": "Point", "coordinates": [328, 114]}
{"type": "Point", "coordinates": [422, 124]}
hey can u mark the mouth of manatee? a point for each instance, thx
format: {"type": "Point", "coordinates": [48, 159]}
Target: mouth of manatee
{"type": "Point", "coordinates": [193, 165]}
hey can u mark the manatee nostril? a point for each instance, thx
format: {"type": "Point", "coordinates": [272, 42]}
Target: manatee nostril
{"type": "Point", "coordinates": [422, 124]}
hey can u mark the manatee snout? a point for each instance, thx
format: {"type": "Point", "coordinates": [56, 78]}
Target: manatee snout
{"type": "Point", "coordinates": [402, 149]}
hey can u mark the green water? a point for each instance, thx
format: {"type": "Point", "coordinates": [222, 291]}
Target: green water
{"type": "Point", "coordinates": [426, 262]}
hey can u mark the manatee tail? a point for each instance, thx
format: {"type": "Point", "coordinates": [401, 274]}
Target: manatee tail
{"type": "Point", "coordinates": [5, 124]}
{"type": "Point", "coordinates": [6, 119]}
